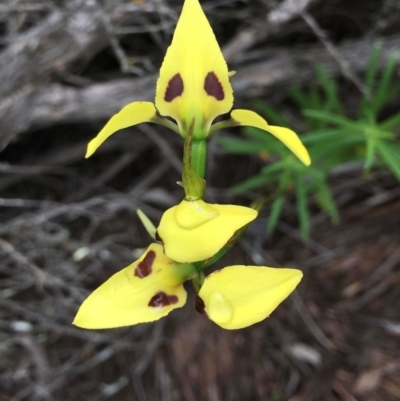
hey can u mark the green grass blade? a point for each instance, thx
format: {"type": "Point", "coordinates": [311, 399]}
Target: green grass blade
{"type": "Point", "coordinates": [276, 210]}
{"type": "Point", "coordinates": [273, 168]}
{"type": "Point", "coordinates": [391, 123]}
{"type": "Point", "coordinates": [333, 102]}
{"type": "Point", "coordinates": [239, 146]}
{"type": "Point", "coordinates": [251, 183]}
{"type": "Point", "coordinates": [390, 156]}
{"type": "Point", "coordinates": [341, 148]}
{"type": "Point", "coordinates": [315, 98]}
{"type": "Point", "coordinates": [272, 116]}
{"type": "Point", "coordinates": [321, 136]}
{"type": "Point", "coordinates": [300, 98]}
{"type": "Point", "coordinates": [369, 153]}
{"type": "Point", "coordinates": [372, 68]}
{"type": "Point", "coordinates": [302, 208]}
{"type": "Point", "coordinates": [277, 204]}
{"type": "Point", "coordinates": [332, 118]}
{"type": "Point", "coordinates": [384, 88]}
{"type": "Point", "coordinates": [327, 201]}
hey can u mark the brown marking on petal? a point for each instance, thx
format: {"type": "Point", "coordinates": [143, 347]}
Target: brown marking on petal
{"type": "Point", "coordinates": [162, 299]}
{"type": "Point", "coordinates": [158, 238]}
{"type": "Point", "coordinates": [174, 88]}
{"type": "Point", "coordinates": [213, 87]}
{"type": "Point", "coordinates": [199, 305]}
{"type": "Point", "coordinates": [144, 268]}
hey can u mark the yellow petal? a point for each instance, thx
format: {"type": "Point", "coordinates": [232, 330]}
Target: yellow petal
{"type": "Point", "coordinates": [239, 296]}
{"type": "Point", "coordinates": [131, 114]}
{"type": "Point", "coordinates": [145, 291]}
{"type": "Point", "coordinates": [195, 230]}
{"type": "Point", "coordinates": [194, 78]}
{"type": "Point", "coordinates": [285, 135]}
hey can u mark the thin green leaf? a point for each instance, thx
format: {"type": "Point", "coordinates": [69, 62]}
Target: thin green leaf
{"type": "Point", "coordinates": [239, 146]}
{"type": "Point", "coordinates": [372, 68]}
{"type": "Point", "coordinates": [338, 148]}
{"type": "Point", "coordinates": [273, 168]}
{"type": "Point", "coordinates": [298, 96]}
{"type": "Point", "coordinates": [315, 98]}
{"type": "Point", "coordinates": [272, 116]}
{"type": "Point", "coordinates": [276, 210]}
{"type": "Point", "coordinates": [327, 202]}
{"type": "Point", "coordinates": [369, 153]}
{"type": "Point", "coordinates": [384, 84]}
{"type": "Point", "coordinates": [277, 205]}
{"type": "Point", "coordinates": [391, 157]}
{"type": "Point", "coordinates": [321, 136]}
{"type": "Point", "coordinates": [333, 102]}
{"type": "Point", "coordinates": [252, 183]}
{"type": "Point", "coordinates": [266, 175]}
{"type": "Point", "coordinates": [391, 123]}
{"type": "Point", "coordinates": [332, 118]}
{"type": "Point", "coordinates": [302, 207]}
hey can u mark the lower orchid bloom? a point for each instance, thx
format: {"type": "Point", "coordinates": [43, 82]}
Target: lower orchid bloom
{"type": "Point", "coordinates": [152, 286]}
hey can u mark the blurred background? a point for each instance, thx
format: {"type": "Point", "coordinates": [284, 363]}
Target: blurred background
{"type": "Point", "coordinates": [327, 69]}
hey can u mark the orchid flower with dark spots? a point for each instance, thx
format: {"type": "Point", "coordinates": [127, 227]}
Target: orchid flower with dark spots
{"type": "Point", "coordinates": [145, 291]}
{"type": "Point", "coordinates": [193, 89]}
{"type": "Point", "coordinates": [152, 286]}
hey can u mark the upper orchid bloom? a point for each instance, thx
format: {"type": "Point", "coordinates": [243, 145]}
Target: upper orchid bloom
{"type": "Point", "coordinates": [239, 296]}
{"type": "Point", "coordinates": [195, 230]}
{"type": "Point", "coordinates": [145, 291]}
{"type": "Point", "coordinates": [194, 79]}
{"type": "Point", "coordinates": [193, 89]}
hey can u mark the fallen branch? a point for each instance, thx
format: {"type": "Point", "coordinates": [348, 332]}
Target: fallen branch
{"type": "Point", "coordinates": [275, 21]}
{"type": "Point", "coordinates": [63, 37]}
{"type": "Point", "coordinates": [54, 104]}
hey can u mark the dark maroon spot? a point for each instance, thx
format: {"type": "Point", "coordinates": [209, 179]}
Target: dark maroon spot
{"type": "Point", "coordinates": [199, 305]}
{"type": "Point", "coordinates": [144, 268]}
{"type": "Point", "coordinates": [213, 87]}
{"type": "Point", "coordinates": [174, 88]}
{"type": "Point", "coordinates": [162, 299]}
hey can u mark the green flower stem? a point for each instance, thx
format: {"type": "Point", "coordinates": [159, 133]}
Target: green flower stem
{"type": "Point", "coordinates": [199, 156]}
{"type": "Point", "coordinates": [210, 261]}
{"type": "Point", "coordinates": [198, 281]}
{"type": "Point", "coordinates": [194, 160]}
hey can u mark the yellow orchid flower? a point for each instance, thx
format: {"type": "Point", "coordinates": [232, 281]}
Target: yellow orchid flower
{"type": "Point", "coordinates": [239, 296]}
{"type": "Point", "coordinates": [145, 291]}
{"type": "Point", "coordinates": [195, 230]}
{"type": "Point", "coordinates": [193, 88]}
{"type": "Point", "coordinates": [151, 287]}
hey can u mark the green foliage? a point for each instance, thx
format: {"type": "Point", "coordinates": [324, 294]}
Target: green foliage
{"type": "Point", "coordinates": [332, 138]}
